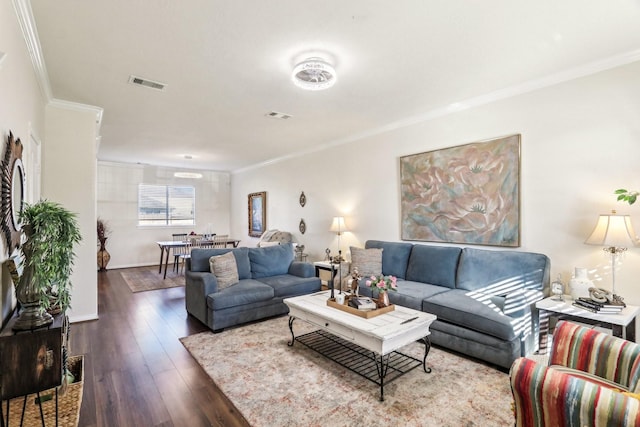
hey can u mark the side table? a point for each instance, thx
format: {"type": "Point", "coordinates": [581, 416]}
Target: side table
{"type": "Point", "coordinates": [333, 268]}
{"type": "Point", "coordinates": [622, 324]}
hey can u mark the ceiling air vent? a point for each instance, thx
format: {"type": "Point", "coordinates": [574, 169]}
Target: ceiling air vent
{"type": "Point", "coordinates": [276, 115]}
{"type": "Point", "coordinates": [135, 80]}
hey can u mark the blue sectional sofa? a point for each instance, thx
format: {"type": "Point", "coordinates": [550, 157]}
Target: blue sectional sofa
{"type": "Point", "coordinates": [266, 276]}
{"type": "Point", "coordinates": [484, 299]}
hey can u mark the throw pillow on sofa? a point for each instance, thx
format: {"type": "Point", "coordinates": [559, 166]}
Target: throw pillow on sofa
{"type": "Point", "coordinates": [368, 261]}
{"type": "Point", "coordinates": [225, 269]}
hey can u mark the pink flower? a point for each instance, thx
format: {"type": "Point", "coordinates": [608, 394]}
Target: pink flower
{"type": "Point", "coordinates": [383, 283]}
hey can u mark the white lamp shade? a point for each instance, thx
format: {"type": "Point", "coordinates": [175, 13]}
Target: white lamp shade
{"type": "Point", "coordinates": [613, 231]}
{"type": "Point", "coordinates": [337, 225]}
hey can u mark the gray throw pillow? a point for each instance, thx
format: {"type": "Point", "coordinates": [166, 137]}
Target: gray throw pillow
{"type": "Point", "coordinates": [225, 269]}
{"type": "Point", "coordinates": [368, 261]}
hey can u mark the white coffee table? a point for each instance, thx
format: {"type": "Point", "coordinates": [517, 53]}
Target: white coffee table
{"type": "Point", "coordinates": [622, 324]}
{"type": "Point", "coordinates": [366, 346]}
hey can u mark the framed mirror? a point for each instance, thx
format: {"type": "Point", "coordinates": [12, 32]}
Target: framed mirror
{"type": "Point", "coordinates": [13, 192]}
{"type": "Point", "coordinates": [257, 213]}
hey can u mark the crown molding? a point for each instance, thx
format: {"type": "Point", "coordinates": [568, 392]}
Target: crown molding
{"type": "Point", "coordinates": [508, 92]}
{"type": "Point", "coordinates": [76, 106]}
{"type": "Point", "coordinates": [24, 14]}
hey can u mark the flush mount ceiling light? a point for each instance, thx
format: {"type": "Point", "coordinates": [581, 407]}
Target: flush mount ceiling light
{"type": "Point", "coordinates": [314, 74]}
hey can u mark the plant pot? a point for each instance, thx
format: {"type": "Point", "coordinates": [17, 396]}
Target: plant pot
{"type": "Point", "coordinates": [31, 316]}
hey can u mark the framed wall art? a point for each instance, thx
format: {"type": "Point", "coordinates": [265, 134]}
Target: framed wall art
{"type": "Point", "coordinates": [467, 194]}
{"type": "Point", "coordinates": [257, 213]}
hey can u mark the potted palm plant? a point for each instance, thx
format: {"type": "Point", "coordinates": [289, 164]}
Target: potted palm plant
{"type": "Point", "coordinates": [51, 232]}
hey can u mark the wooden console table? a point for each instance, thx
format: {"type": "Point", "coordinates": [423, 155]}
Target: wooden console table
{"type": "Point", "coordinates": [31, 361]}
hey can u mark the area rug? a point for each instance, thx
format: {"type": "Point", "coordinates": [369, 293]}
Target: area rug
{"type": "Point", "coordinates": [273, 384]}
{"type": "Point", "coordinates": [147, 279]}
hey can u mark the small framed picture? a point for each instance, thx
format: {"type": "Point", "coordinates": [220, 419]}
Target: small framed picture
{"type": "Point", "coordinates": [257, 213]}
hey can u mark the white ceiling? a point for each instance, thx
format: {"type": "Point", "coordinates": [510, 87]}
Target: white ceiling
{"type": "Point", "coordinates": [228, 63]}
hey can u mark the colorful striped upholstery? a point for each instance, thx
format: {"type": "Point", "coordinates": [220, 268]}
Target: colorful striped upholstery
{"type": "Point", "coordinates": [546, 396]}
{"type": "Point", "coordinates": [594, 352]}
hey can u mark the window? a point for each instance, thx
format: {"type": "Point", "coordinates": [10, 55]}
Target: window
{"type": "Point", "coordinates": [166, 205]}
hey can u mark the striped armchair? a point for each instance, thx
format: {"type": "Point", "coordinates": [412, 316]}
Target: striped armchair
{"type": "Point", "coordinates": [593, 379]}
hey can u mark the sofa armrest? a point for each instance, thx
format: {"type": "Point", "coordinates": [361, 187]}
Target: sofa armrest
{"type": "Point", "coordinates": [197, 286]}
{"type": "Point", "coordinates": [302, 269]}
{"type": "Point", "coordinates": [206, 282]}
{"type": "Point", "coordinates": [544, 396]}
{"type": "Point", "coordinates": [597, 353]}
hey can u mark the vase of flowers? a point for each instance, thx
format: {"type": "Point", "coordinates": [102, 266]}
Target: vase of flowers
{"type": "Point", "coordinates": [383, 284]}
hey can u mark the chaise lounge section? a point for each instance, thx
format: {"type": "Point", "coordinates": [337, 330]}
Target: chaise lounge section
{"type": "Point", "coordinates": [484, 299]}
{"type": "Point", "coordinates": [265, 277]}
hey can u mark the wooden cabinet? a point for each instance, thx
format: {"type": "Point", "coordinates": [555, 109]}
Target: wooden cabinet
{"type": "Point", "coordinates": [31, 361]}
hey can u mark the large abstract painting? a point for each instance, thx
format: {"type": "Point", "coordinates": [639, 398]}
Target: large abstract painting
{"type": "Point", "coordinates": [466, 194]}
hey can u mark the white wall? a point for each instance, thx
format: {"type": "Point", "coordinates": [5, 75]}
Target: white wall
{"type": "Point", "coordinates": [69, 178]}
{"type": "Point", "coordinates": [21, 111]}
{"type": "Point", "coordinates": [130, 245]}
{"type": "Point", "coordinates": [580, 142]}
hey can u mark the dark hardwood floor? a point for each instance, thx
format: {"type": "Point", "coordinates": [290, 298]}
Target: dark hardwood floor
{"type": "Point", "coordinates": [137, 373]}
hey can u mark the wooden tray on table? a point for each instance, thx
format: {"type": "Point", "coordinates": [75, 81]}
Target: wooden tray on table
{"type": "Point", "coordinates": [367, 314]}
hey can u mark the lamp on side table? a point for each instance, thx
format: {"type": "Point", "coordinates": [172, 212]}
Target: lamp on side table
{"type": "Point", "coordinates": [615, 233]}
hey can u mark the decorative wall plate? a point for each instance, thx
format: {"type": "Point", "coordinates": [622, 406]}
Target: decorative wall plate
{"type": "Point", "coordinates": [302, 226]}
{"type": "Point", "coordinates": [13, 188]}
{"type": "Point", "coordinates": [303, 199]}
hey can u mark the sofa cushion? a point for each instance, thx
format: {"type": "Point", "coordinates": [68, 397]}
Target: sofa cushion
{"type": "Point", "coordinates": [225, 269]}
{"type": "Point", "coordinates": [395, 256]}
{"type": "Point", "coordinates": [200, 260]}
{"type": "Point", "coordinates": [409, 294]}
{"type": "Point", "coordinates": [270, 261]}
{"type": "Point", "coordinates": [286, 285]}
{"type": "Point", "coordinates": [367, 261]}
{"type": "Point", "coordinates": [242, 293]}
{"type": "Point", "coordinates": [434, 264]}
{"type": "Point", "coordinates": [500, 272]}
{"type": "Point", "coordinates": [478, 314]}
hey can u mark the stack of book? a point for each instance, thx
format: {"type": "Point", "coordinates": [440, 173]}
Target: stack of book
{"type": "Point", "coordinates": [362, 303]}
{"type": "Point", "coordinates": [599, 307]}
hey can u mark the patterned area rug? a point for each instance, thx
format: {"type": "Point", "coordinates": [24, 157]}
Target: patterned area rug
{"type": "Point", "coordinates": [147, 279]}
{"type": "Point", "coordinates": [273, 384]}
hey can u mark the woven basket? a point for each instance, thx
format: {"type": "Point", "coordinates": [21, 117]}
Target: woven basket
{"type": "Point", "coordinates": [68, 403]}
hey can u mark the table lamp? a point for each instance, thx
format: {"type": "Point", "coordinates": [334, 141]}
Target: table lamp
{"type": "Point", "coordinates": [615, 233]}
{"type": "Point", "coordinates": [338, 227]}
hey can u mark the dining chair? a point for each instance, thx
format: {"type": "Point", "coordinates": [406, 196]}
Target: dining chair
{"type": "Point", "coordinates": [220, 240]}
{"type": "Point", "coordinates": [190, 244]}
{"type": "Point", "coordinates": [178, 237]}
{"type": "Point", "coordinates": [207, 242]}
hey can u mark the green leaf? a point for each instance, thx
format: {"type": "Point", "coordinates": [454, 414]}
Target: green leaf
{"type": "Point", "coordinates": [620, 191]}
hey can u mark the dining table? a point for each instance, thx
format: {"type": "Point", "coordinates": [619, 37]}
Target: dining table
{"type": "Point", "coordinates": [166, 246]}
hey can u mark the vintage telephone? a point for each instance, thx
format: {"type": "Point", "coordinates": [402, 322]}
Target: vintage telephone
{"type": "Point", "coordinates": [600, 295]}
{"type": "Point", "coordinates": [604, 296]}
